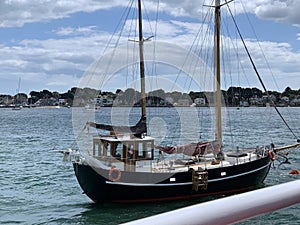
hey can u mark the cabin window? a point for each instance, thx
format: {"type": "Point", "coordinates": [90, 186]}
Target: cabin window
{"type": "Point", "coordinates": [129, 151]}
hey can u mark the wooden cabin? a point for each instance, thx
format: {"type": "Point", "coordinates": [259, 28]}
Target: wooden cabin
{"type": "Point", "coordinates": [127, 149]}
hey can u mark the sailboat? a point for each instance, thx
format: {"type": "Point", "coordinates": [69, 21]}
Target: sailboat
{"type": "Point", "coordinates": [17, 105]}
{"type": "Point", "coordinates": [127, 166]}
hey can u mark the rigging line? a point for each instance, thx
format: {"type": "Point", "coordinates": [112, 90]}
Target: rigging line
{"type": "Point", "coordinates": [147, 15]}
{"type": "Point", "coordinates": [128, 47]}
{"type": "Point", "coordinates": [265, 58]}
{"type": "Point", "coordinates": [209, 55]}
{"type": "Point", "coordinates": [259, 77]}
{"type": "Point", "coordinates": [185, 60]}
{"type": "Point", "coordinates": [227, 70]}
{"type": "Point", "coordinates": [154, 33]}
{"type": "Point", "coordinates": [267, 63]}
{"type": "Point", "coordinates": [124, 16]}
{"type": "Point", "coordinates": [188, 54]}
{"type": "Point", "coordinates": [194, 44]}
{"type": "Point", "coordinates": [154, 66]}
{"type": "Point", "coordinates": [135, 55]}
{"type": "Point", "coordinates": [78, 136]}
{"type": "Point", "coordinates": [196, 62]}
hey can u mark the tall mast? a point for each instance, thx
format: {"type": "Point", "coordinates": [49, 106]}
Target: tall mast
{"type": "Point", "coordinates": [142, 65]}
{"type": "Point", "coordinates": [218, 101]}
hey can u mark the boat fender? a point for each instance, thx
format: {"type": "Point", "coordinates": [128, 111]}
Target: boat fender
{"type": "Point", "coordinates": [114, 174]}
{"type": "Point", "coordinates": [271, 155]}
{"type": "Point", "coordinates": [294, 172]}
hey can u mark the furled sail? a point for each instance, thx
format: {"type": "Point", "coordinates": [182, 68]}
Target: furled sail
{"type": "Point", "coordinates": [193, 149]}
{"type": "Point", "coordinates": [137, 130]}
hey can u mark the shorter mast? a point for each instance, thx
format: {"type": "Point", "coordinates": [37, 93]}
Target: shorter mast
{"type": "Point", "coordinates": [218, 98]}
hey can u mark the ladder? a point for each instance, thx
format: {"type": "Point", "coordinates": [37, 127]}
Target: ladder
{"type": "Point", "coordinates": [199, 180]}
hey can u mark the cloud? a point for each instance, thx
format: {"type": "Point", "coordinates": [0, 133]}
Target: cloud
{"type": "Point", "coordinates": [279, 10]}
{"type": "Point", "coordinates": [285, 11]}
{"type": "Point", "coordinates": [15, 13]}
{"type": "Point", "coordinates": [74, 31]}
{"type": "Point", "coordinates": [50, 62]}
{"type": "Point", "coordinates": [58, 64]}
{"type": "Point", "coordinates": [59, 61]}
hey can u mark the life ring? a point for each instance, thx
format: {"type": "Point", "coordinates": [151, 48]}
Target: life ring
{"type": "Point", "coordinates": [271, 155]}
{"type": "Point", "coordinates": [114, 174]}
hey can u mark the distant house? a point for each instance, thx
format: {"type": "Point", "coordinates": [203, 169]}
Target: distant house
{"type": "Point", "coordinates": [267, 99]}
{"type": "Point", "coordinates": [169, 100]}
{"type": "Point", "coordinates": [244, 103]}
{"type": "Point", "coordinates": [103, 101]}
{"type": "Point", "coordinates": [285, 99]}
{"type": "Point", "coordinates": [62, 101]}
{"type": "Point", "coordinates": [295, 102]}
{"type": "Point", "coordinates": [199, 101]}
{"type": "Point", "coordinates": [46, 102]}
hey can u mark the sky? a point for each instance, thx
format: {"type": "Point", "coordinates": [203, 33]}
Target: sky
{"type": "Point", "coordinates": [50, 44]}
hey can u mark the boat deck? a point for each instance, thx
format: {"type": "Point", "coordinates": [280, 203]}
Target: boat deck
{"type": "Point", "coordinates": [207, 163]}
{"type": "Point", "coordinates": [178, 165]}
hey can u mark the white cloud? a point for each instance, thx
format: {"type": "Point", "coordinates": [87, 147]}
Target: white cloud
{"type": "Point", "coordinates": [279, 10]}
{"type": "Point", "coordinates": [285, 11]}
{"type": "Point", "coordinates": [61, 61]}
{"type": "Point", "coordinates": [46, 63]}
{"type": "Point", "coordinates": [15, 13]}
{"type": "Point", "coordinates": [72, 31]}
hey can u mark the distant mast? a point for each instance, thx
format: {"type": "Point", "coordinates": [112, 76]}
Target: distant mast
{"type": "Point", "coordinates": [142, 65]}
{"type": "Point", "coordinates": [218, 100]}
{"type": "Point", "coordinates": [17, 99]}
{"type": "Point", "coordinates": [19, 84]}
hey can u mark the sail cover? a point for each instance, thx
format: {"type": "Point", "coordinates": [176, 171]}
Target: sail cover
{"type": "Point", "coordinates": [137, 130]}
{"type": "Point", "coordinates": [193, 149]}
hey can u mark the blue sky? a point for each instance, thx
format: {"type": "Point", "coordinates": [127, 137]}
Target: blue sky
{"type": "Point", "coordinates": [50, 44]}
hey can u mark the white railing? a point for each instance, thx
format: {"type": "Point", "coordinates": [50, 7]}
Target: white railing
{"type": "Point", "coordinates": [230, 209]}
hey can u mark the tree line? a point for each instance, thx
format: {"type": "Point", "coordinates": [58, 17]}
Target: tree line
{"type": "Point", "coordinates": [233, 96]}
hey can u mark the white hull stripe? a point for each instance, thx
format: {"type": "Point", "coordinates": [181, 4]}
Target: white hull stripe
{"type": "Point", "coordinates": [187, 183]}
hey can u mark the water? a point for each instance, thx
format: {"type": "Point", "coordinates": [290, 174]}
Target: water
{"type": "Point", "coordinates": [37, 187]}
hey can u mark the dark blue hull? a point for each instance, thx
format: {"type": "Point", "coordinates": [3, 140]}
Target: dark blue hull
{"type": "Point", "coordinates": [139, 186]}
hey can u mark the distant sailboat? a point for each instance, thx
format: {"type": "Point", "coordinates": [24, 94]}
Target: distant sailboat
{"type": "Point", "coordinates": [17, 105]}
{"type": "Point", "coordinates": [127, 166]}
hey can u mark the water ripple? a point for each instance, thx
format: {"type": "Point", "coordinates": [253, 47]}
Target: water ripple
{"type": "Point", "coordinates": [38, 188]}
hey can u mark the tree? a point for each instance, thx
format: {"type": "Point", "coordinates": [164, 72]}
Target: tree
{"type": "Point", "coordinates": [131, 96]}
{"type": "Point", "coordinates": [118, 91]}
{"type": "Point", "coordinates": [288, 92]}
{"type": "Point", "coordinates": [157, 97]}
{"type": "Point", "coordinates": [47, 94]}
{"type": "Point", "coordinates": [56, 95]}
{"type": "Point", "coordinates": [175, 95]}
{"type": "Point", "coordinates": [36, 95]}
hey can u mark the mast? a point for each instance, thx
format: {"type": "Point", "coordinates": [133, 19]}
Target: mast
{"type": "Point", "coordinates": [19, 84]}
{"type": "Point", "coordinates": [18, 92]}
{"type": "Point", "coordinates": [142, 65]}
{"type": "Point", "coordinates": [218, 97]}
